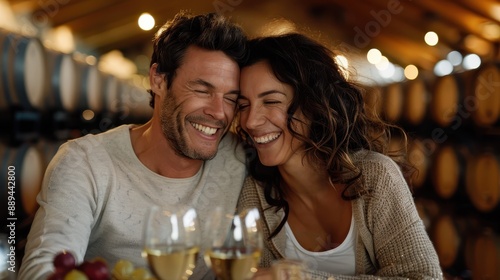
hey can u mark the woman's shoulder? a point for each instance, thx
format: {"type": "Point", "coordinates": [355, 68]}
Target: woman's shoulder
{"type": "Point", "coordinates": [373, 161]}
{"type": "Point", "coordinates": [380, 173]}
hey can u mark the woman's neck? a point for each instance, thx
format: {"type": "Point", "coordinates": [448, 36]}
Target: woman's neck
{"type": "Point", "coordinates": [300, 178]}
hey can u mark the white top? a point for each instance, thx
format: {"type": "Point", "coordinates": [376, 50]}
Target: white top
{"type": "Point", "coordinates": [96, 192]}
{"type": "Point", "coordinates": [339, 260]}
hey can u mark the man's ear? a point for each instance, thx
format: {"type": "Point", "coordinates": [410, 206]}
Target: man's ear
{"type": "Point", "coordinates": [156, 79]}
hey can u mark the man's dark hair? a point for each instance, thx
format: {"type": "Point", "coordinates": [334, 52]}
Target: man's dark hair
{"type": "Point", "coordinates": [208, 31]}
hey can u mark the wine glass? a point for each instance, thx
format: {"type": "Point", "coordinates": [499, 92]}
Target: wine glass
{"type": "Point", "coordinates": [171, 242]}
{"type": "Point", "coordinates": [235, 244]}
{"type": "Point", "coordinates": [287, 269]}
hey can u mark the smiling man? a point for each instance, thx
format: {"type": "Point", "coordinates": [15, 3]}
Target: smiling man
{"type": "Point", "coordinates": [98, 188]}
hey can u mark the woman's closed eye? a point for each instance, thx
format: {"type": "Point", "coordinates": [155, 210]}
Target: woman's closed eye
{"type": "Point", "coordinates": [272, 102]}
{"type": "Point", "coordinates": [242, 105]}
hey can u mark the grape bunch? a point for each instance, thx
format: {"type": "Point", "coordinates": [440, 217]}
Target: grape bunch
{"type": "Point", "coordinates": [66, 268]}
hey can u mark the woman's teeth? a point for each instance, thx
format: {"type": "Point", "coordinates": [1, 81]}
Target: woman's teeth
{"type": "Point", "coordinates": [205, 129]}
{"type": "Point", "coordinates": [266, 138]}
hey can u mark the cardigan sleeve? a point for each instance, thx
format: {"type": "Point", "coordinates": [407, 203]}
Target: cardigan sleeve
{"type": "Point", "coordinates": [400, 242]}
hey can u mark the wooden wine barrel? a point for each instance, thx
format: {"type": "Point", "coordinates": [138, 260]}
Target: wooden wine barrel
{"type": "Point", "coordinates": [112, 88]}
{"type": "Point", "coordinates": [48, 150]}
{"type": "Point", "coordinates": [62, 94]}
{"type": "Point", "coordinates": [22, 72]}
{"type": "Point", "coordinates": [482, 180]}
{"type": "Point", "coordinates": [419, 152]}
{"type": "Point", "coordinates": [448, 240]}
{"type": "Point", "coordinates": [482, 255]}
{"type": "Point", "coordinates": [447, 94]}
{"type": "Point", "coordinates": [447, 169]}
{"type": "Point", "coordinates": [89, 87]}
{"type": "Point", "coordinates": [428, 211]}
{"type": "Point", "coordinates": [483, 97]}
{"type": "Point", "coordinates": [135, 104]}
{"type": "Point", "coordinates": [26, 166]}
{"type": "Point", "coordinates": [392, 102]}
{"type": "Point", "coordinates": [415, 102]}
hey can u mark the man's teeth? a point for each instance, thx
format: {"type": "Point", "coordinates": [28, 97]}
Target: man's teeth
{"type": "Point", "coordinates": [205, 129]}
{"type": "Point", "coordinates": [266, 138]}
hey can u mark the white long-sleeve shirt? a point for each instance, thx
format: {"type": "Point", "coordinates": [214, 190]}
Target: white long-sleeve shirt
{"type": "Point", "coordinates": [96, 192]}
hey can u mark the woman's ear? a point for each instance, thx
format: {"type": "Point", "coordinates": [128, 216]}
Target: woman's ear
{"type": "Point", "coordinates": [156, 79]}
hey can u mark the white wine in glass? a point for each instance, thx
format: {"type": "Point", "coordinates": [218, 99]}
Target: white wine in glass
{"type": "Point", "coordinates": [171, 242]}
{"type": "Point", "coordinates": [235, 244]}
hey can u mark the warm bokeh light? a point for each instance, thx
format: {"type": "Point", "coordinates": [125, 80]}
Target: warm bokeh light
{"type": "Point", "coordinates": [477, 45]}
{"type": "Point", "coordinates": [443, 68]}
{"type": "Point", "coordinates": [454, 57]}
{"type": "Point", "coordinates": [374, 56]}
{"type": "Point", "coordinates": [471, 61]}
{"type": "Point", "coordinates": [7, 16]}
{"type": "Point", "coordinates": [61, 39]}
{"type": "Point", "coordinates": [411, 72]}
{"type": "Point", "coordinates": [490, 30]}
{"type": "Point", "coordinates": [88, 115]}
{"type": "Point", "coordinates": [344, 65]}
{"type": "Point", "coordinates": [115, 63]}
{"type": "Point", "coordinates": [383, 63]}
{"type": "Point", "coordinates": [431, 38]}
{"type": "Point", "coordinates": [91, 60]}
{"type": "Point", "coordinates": [146, 21]}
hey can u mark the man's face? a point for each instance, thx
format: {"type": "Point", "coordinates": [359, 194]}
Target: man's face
{"type": "Point", "coordinates": [199, 106]}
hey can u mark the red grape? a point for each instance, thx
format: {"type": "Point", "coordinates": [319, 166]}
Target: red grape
{"type": "Point", "coordinates": [64, 260]}
{"type": "Point", "coordinates": [95, 270]}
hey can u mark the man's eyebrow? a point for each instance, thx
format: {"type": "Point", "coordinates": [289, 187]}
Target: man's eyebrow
{"type": "Point", "coordinates": [210, 86]}
{"type": "Point", "coordinates": [201, 82]}
{"type": "Point", "coordinates": [262, 94]}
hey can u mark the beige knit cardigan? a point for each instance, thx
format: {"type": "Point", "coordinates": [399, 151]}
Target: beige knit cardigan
{"type": "Point", "coordinates": [391, 240]}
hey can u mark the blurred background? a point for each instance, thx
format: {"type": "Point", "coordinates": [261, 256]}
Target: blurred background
{"type": "Point", "coordinates": [73, 67]}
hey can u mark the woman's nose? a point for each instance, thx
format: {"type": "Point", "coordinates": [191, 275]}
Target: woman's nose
{"type": "Point", "coordinates": [252, 118]}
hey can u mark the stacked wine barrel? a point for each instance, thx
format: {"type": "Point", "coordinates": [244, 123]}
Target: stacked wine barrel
{"type": "Point", "coordinates": [454, 127]}
{"type": "Point", "coordinates": [46, 98]}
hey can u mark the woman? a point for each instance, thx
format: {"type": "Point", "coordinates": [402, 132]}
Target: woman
{"type": "Point", "coordinates": [329, 193]}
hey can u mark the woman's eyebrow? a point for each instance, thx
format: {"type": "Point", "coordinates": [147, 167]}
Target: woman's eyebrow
{"type": "Point", "coordinates": [265, 93]}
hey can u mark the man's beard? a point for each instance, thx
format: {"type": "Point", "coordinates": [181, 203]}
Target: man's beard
{"type": "Point", "coordinates": [172, 126]}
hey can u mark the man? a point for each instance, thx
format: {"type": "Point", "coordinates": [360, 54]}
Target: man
{"type": "Point", "coordinates": [97, 189]}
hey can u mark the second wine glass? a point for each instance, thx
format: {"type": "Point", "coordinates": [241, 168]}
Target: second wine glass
{"type": "Point", "coordinates": [171, 242]}
{"type": "Point", "coordinates": [235, 244]}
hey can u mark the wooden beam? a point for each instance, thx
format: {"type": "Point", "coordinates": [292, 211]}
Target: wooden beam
{"type": "Point", "coordinates": [486, 8]}
{"type": "Point", "coordinates": [457, 15]}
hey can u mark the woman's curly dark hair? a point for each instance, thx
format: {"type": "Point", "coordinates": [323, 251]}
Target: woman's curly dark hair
{"type": "Point", "coordinates": [334, 108]}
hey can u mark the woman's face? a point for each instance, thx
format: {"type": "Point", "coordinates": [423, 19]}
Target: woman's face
{"type": "Point", "coordinates": [263, 113]}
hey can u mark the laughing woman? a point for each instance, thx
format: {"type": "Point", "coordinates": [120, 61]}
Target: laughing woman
{"type": "Point", "coordinates": [329, 193]}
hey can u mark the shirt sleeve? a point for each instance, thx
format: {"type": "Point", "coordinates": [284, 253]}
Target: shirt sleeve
{"type": "Point", "coordinates": [66, 214]}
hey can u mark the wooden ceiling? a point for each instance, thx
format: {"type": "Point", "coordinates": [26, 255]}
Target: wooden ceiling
{"type": "Point", "coordinates": [395, 27]}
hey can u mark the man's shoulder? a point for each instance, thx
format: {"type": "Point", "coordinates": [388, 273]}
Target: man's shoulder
{"type": "Point", "coordinates": [92, 140]}
{"type": "Point", "coordinates": [94, 145]}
